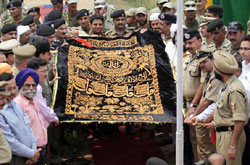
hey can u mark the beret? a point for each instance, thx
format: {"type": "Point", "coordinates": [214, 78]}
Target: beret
{"type": "Point", "coordinates": [215, 25]}
{"type": "Point", "coordinates": [56, 1]}
{"type": "Point", "coordinates": [204, 53]}
{"type": "Point", "coordinates": [45, 30]}
{"type": "Point", "coordinates": [58, 23]}
{"type": "Point", "coordinates": [141, 10]}
{"type": "Point", "coordinates": [34, 9]}
{"type": "Point", "coordinates": [224, 62]}
{"type": "Point", "coordinates": [235, 26]}
{"type": "Point", "coordinates": [8, 28]}
{"type": "Point", "coordinates": [4, 88]}
{"type": "Point", "coordinates": [168, 18]}
{"type": "Point", "coordinates": [54, 15]}
{"type": "Point", "coordinates": [29, 19]}
{"type": "Point", "coordinates": [41, 44]}
{"type": "Point", "coordinates": [82, 13]}
{"type": "Point", "coordinates": [22, 76]}
{"type": "Point", "coordinates": [118, 13]}
{"type": "Point", "coordinates": [24, 51]}
{"type": "Point", "coordinates": [5, 68]}
{"type": "Point", "coordinates": [15, 3]}
{"type": "Point", "coordinates": [7, 46]}
{"type": "Point", "coordinates": [191, 33]}
{"type": "Point", "coordinates": [214, 9]}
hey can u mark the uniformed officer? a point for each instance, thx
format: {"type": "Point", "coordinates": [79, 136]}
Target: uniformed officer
{"type": "Point", "coordinates": [29, 21]}
{"type": "Point", "coordinates": [190, 15]}
{"type": "Point", "coordinates": [119, 30]}
{"type": "Point", "coordinates": [130, 19]}
{"type": "Point", "coordinates": [201, 6]}
{"type": "Point", "coordinates": [5, 150]}
{"type": "Point", "coordinates": [209, 93]}
{"type": "Point", "coordinates": [231, 112]}
{"type": "Point", "coordinates": [217, 28]}
{"type": "Point", "coordinates": [82, 18]}
{"type": "Point", "coordinates": [60, 33]}
{"type": "Point", "coordinates": [141, 16]}
{"type": "Point", "coordinates": [214, 11]}
{"type": "Point", "coordinates": [15, 9]}
{"type": "Point", "coordinates": [6, 47]}
{"type": "Point", "coordinates": [35, 11]}
{"type": "Point", "coordinates": [235, 35]}
{"type": "Point", "coordinates": [46, 31]}
{"type": "Point", "coordinates": [207, 38]}
{"type": "Point", "coordinates": [168, 8]}
{"type": "Point", "coordinates": [193, 81]}
{"type": "Point", "coordinates": [22, 56]}
{"type": "Point", "coordinates": [9, 32]}
{"type": "Point", "coordinates": [101, 7]}
{"type": "Point", "coordinates": [69, 15]}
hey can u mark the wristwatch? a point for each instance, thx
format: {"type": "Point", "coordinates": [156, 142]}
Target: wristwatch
{"type": "Point", "coordinates": [193, 105]}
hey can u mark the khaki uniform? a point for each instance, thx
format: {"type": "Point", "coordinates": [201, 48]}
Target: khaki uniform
{"type": "Point", "coordinates": [236, 54]}
{"type": "Point", "coordinates": [70, 21]}
{"type": "Point", "coordinates": [5, 150]}
{"type": "Point", "coordinates": [226, 46]}
{"type": "Point", "coordinates": [10, 20]}
{"type": "Point", "coordinates": [81, 32]}
{"type": "Point", "coordinates": [231, 105]}
{"type": "Point", "coordinates": [15, 70]}
{"type": "Point", "coordinates": [3, 4]}
{"type": "Point", "coordinates": [206, 45]}
{"type": "Point", "coordinates": [210, 90]}
{"type": "Point", "coordinates": [112, 33]}
{"type": "Point", "coordinates": [108, 23]}
{"type": "Point", "coordinates": [193, 77]}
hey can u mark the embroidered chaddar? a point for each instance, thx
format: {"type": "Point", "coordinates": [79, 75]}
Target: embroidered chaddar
{"type": "Point", "coordinates": [117, 80]}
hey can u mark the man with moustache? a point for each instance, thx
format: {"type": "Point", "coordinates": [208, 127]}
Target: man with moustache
{"type": "Point", "coordinates": [27, 80]}
{"type": "Point", "coordinates": [154, 22]}
{"type": "Point", "coordinates": [6, 48]}
{"type": "Point", "coordinates": [141, 17]}
{"type": "Point", "coordinates": [201, 6]}
{"type": "Point", "coordinates": [70, 14]}
{"type": "Point", "coordinates": [119, 30]}
{"type": "Point", "coordinates": [235, 35]}
{"type": "Point", "coordinates": [60, 34]}
{"type": "Point", "coordinates": [231, 114]}
{"type": "Point", "coordinates": [130, 19]}
{"type": "Point", "coordinates": [193, 84]}
{"type": "Point", "coordinates": [218, 30]}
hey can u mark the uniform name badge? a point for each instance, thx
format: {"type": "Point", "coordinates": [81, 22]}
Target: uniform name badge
{"type": "Point", "coordinates": [26, 119]}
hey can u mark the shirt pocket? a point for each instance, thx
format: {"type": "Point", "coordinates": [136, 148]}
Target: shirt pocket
{"type": "Point", "coordinates": [223, 109]}
{"type": "Point", "coordinates": [194, 71]}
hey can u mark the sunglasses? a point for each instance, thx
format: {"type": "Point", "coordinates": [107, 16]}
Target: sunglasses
{"type": "Point", "coordinates": [30, 85]}
{"type": "Point", "coordinates": [244, 48]}
{"type": "Point", "coordinates": [190, 5]}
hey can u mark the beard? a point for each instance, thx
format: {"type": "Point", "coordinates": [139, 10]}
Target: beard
{"type": "Point", "coordinates": [30, 93]}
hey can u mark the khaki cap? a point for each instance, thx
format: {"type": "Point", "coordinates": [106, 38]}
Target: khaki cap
{"type": "Point", "coordinates": [204, 53]}
{"type": "Point", "coordinates": [205, 20]}
{"type": "Point", "coordinates": [190, 6]}
{"type": "Point", "coordinates": [141, 10]}
{"type": "Point", "coordinates": [131, 12]}
{"type": "Point", "coordinates": [4, 88]}
{"type": "Point", "coordinates": [224, 62]}
{"type": "Point", "coordinates": [162, 1]}
{"type": "Point", "coordinates": [24, 51]}
{"type": "Point", "coordinates": [168, 5]}
{"type": "Point", "coordinates": [7, 46]}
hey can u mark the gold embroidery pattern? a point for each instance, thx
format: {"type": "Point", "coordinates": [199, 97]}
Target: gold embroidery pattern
{"type": "Point", "coordinates": [114, 43]}
{"type": "Point", "coordinates": [113, 85]}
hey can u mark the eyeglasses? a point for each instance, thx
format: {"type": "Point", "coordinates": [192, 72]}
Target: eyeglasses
{"type": "Point", "coordinates": [190, 5]}
{"type": "Point", "coordinates": [244, 48]}
{"type": "Point", "coordinates": [30, 85]}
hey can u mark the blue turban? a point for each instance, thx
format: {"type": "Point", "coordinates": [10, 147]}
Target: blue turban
{"type": "Point", "coordinates": [22, 76]}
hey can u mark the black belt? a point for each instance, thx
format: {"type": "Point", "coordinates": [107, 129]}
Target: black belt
{"type": "Point", "coordinates": [224, 128]}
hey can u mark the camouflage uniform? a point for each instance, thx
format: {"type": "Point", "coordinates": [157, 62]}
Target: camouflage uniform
{"type": "Point", "coordinates": [70, 21]}
{"type": "Point", "coordinates": [112, 33]}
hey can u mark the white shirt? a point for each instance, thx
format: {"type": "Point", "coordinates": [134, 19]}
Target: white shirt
{"type": "Point", "coordinates": [210, 109]}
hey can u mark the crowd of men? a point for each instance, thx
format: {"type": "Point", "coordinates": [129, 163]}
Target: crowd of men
{"type": "Point", "coordinates": [216, 79]}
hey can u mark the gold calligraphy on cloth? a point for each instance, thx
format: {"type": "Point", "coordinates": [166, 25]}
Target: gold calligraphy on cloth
{"type": "Point", "coordinates": [113, 85]}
